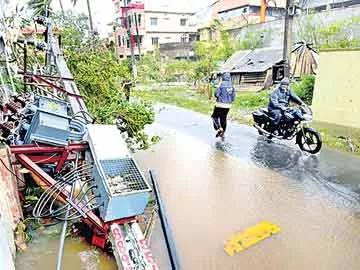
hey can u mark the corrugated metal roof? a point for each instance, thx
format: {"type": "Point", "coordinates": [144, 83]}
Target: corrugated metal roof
{"type": "Point", "coordinates": [233, 60]}
{"type": "Point", "coordinates": [258, 60]}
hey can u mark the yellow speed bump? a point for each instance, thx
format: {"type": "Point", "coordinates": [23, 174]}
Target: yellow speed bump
{"type": "Point", "coordinates": [249, 237]}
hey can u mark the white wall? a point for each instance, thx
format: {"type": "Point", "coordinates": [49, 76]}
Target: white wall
{"type": "Point", "coordinates": [168, 28]}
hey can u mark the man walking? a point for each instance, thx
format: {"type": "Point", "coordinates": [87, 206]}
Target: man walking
{"type": "Point", "coordinates": [225, 96]}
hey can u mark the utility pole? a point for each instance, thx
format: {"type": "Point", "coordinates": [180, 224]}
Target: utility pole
{"type": "Point", "coordinates": [262, 10]}
{"type": "Point", "coordinates": [137, 35]}
{"type": "Point", "coordinates": [131, 40]}
{"type": "Point", "coordinates": [289, 15]}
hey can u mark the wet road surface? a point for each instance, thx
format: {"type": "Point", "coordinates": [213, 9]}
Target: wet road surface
{"type": "Point", "coordinates": [214, 188]}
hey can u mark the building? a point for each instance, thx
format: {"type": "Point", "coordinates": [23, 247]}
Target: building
{"type": "Point", "coordinates": [134, 15]}
{"type": "Point", "coordinates": [234, 14]}
{"type": "Point", "coordinates": [168, 23]}
{"type": "Point", "coordinates": [178, 50]}
{"type": "Point", "coordinates": [151, 24]}
{"type": "Point", "coordinates": [321, 5]}
{"type": "Point", "coordinates": [254, 70]}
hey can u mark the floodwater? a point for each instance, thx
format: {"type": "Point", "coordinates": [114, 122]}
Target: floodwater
{"type": "Point", "coordinates": [42, 254]}
{"type": "Point", "coordinates": [214, 188]}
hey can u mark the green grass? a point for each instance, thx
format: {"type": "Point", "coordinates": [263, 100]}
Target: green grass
{"type": "Point", "coordinates": [245, 103]}
{"type": "Point", "coordinates": [338, 137]}
{"type": "Point", "coordinates": [178, 96]}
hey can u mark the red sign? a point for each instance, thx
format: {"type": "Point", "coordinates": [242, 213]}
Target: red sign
{"type": "Point", "coordinates": [122, 247]}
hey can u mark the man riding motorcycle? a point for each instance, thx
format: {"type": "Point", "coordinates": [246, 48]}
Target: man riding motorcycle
{"type": "Point", "coordinates": [279, 102]}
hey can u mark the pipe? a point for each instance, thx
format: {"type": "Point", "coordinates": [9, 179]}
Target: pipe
{"type": "Point", "coordinates": [63, 235]}
{"type": "Point", "coordinates": [164, 224]}
{"type": "Point", "coordinates": [266, 132]}
{"type": "Point", "coordinates": [63, 232]}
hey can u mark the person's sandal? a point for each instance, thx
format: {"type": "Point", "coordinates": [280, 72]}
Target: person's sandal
{"type": "Point", "coordinates": [220, 133]}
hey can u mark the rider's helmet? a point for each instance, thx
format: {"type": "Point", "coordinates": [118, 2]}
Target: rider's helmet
{"type": "Point", "coordinates": [285, 81]}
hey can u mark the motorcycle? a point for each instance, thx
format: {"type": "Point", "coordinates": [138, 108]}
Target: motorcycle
{"type": "Point", "coordinates": [295, 123]}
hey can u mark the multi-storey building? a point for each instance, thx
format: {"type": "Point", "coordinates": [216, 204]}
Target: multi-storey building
{"type": "Point", "coordinates": [235, 14]}
{"type": "Point", "coordinates": [132, 14]}
{"type": "Point", "coordinates": [151, 23]}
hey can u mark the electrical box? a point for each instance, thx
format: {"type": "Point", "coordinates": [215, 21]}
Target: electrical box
{"type": "Point", "coordinates": [121, 187]}
{"type": "Point", "coordinates": [50, 123]}
{"type": "Point", "coordinates": [48, 128]}
{"type": "Point", "coordinates": [52, 105]}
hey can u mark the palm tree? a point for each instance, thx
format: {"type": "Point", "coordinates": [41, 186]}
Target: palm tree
{"type": "Point", "coordinates": [74, 2]}
{"type": "Point", "coordinates": [40, 7]}
{"type": "Point", "coordinates": [61, 7]}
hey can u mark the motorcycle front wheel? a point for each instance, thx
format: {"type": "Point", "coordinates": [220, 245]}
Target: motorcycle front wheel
{"type": "Point", "coordinates": [309, 140]}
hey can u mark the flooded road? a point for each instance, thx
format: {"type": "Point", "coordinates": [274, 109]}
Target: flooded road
{"type": "Point", "coordinates": [213, 189]}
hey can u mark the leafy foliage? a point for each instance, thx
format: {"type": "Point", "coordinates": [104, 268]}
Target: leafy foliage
{"type": "Point", "coordinates": [151, 68]}
{"type": "Point", "coordinates": [335, 35]}
{"type": "Point", "coordinates": [180, 70]}
{"type": "Point", "coordinates": [40, 7]}
{"type": "Point", "coordinates": [252, 40]}
{"type": "Point", "coordinates": [305, 88]}
{"type": "Point", "coordinates": [100, 77]}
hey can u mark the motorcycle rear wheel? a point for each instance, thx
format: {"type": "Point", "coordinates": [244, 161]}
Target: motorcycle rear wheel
{"type": "Point", "coordinates": [309, 140]}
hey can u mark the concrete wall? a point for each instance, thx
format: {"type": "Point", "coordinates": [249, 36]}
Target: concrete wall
{"type": "Point", "coordinates": [275, 29]}
{"type": "Point", "coordinates": [10, 213]}
{"type": "Point", "coordinates": [337, 91]}
{"type": "Point", "coordinates": [168, 28]}
{"type": "Point", "coordinates": [173, 50]}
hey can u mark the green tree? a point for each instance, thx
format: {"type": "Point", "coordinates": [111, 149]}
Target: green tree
{"type": "Point", "coordinates": [40, 7]}
{"type": "Point", "coordinates": [209, 54]}
{"type": "Point", "coordinates": [74, 2]}
{"type": "Point", "coordinates": [43, 7]}
{"type": "Point", "coordinates": [253, 39]}
{"type": "Point", "coordinates": [100, 78]}
{"type": "Point", "coordinates": [336, 34]}
{"type": "Point", "coordinates": [151, 67]}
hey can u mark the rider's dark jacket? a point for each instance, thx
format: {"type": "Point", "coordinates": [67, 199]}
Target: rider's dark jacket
{"type": "Point", "coordinates": [281, 97]}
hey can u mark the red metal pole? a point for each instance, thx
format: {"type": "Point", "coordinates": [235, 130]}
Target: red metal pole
{"type": "Point", "coordinates": [31, 149]}
{"type": "Point", "coordinates": [38, 78]}
{"type": "Point", "coordinates": [62, 160]}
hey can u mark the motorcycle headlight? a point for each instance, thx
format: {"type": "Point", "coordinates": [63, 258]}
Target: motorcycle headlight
{"type": "Point", "coordinates": [307, 117]}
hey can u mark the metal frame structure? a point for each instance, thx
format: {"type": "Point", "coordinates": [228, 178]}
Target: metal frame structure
{"type": "Point", "coordinates": [125, 234]}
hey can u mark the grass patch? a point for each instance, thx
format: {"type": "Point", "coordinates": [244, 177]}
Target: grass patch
{"type": "Point", "coordinates": [333, 137]}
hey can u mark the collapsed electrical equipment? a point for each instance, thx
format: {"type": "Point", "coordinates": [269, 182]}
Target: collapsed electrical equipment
{"type": "Point", "coordinates": [121, 187]}
{"type": "Point", "coordinates": [43, 120]}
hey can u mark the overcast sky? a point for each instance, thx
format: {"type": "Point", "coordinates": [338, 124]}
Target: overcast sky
{"type": "Point", "coordinates": [103, 10]}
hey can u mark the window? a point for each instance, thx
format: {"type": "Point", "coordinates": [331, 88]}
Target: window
{"type": "Point", "coordinates": [140, 40]}
{"type": "Point", "coordinates": [129, 21]}
{"type": "Point", "coordinates": [155, 41]}
{"type": "Point", "coordinates": [139, 19]}
{"type": "Point", "coordinates": [128, 43]}
{"type": "Point", "coordinates": [123, 41]}
{"type": "Point", "coordinates": [153, 21]}
{"type": "Point", "coordinates": [119, 22]}
{"type": "Point", "coordinates": [183, 39]}
{"type": "Point", "coordinates": [183, 22]}
{"type": "Point", "coordinates": [119, 41]}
